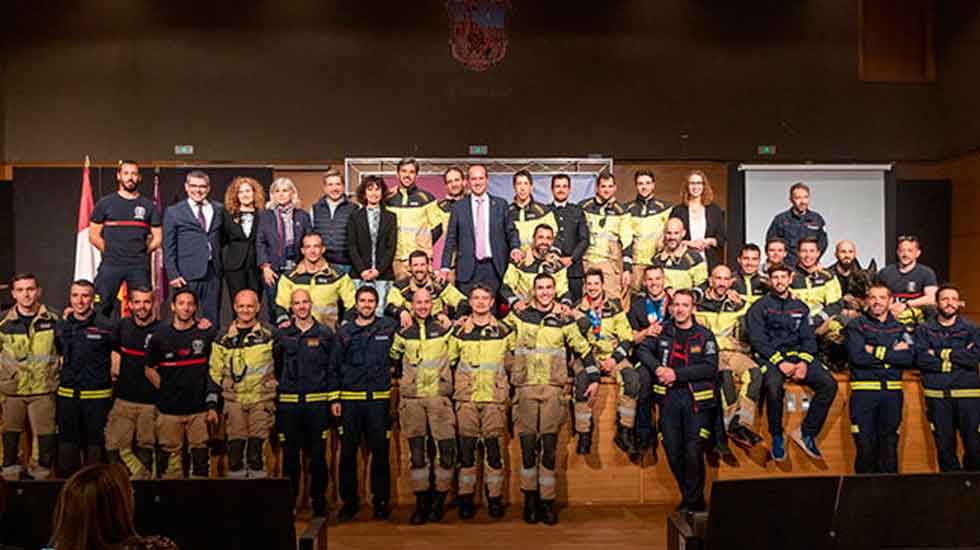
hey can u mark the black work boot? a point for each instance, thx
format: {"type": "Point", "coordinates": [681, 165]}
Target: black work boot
{"type": "Point", "coordinates": [348, 511]}
{"type": "Point", "coordinates": [530, 507]}
{"type": "Point", "coordinates": [625, 440]}
{"type": "Point", "coordinates": [467, 509]}
{"type": "Point", "coordinates": [437, 506]}
{"type": "Point", "coordinates": [495, 507]}
{"type": "Point", "coordinates": [421, 513]}
{"type": "Point", "coordinates": [584, 446]}
{"type": "Point", "coordinates": [549, 514]}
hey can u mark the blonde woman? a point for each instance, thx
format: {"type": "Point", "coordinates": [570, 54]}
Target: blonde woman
{"type": "Point", "coordinates": [282, 227]}
{"type": "Point", "coordinates": [244, 201]}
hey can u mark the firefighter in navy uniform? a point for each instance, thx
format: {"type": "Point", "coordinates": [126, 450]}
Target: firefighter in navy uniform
{"type": "Point", "coordinates": [420, 354]}
{"type": "Point", "coordinates": [28, 377]}
{"type": "Point", "coordinates": [572, 238]}
{"type": "Point", "coordinates": [187, 401]}
{"type": "Point", "coordinates": [797, 223]}
{"type": "Point", "coordinates": [913, 285]}
{"type": "Point", "coordinates": [243, 367]}
{"type": "Point", "coordinates": [878, 349]}
{"type": "Point", "coordinates": [359, 383]}
{"type": "Point", "coordinates": [684, 362]}
{"type": "Point", "coordinates": [133, 413]}
{"type": "Point", "coordinates": [302, 356]}
{"type": "Point", "coordinates": [85, 342]}
{"type": "Point", "coordinates": [785, 345]}
{"type": "Point", "coordinates": [947, 351]}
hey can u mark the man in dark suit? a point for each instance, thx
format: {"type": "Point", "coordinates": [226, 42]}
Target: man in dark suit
{"type": "Point", "coordinates": [192, 247]}
{"type": "Point", "coordinates": [573, 233]}
{"type": "Point", "coordinates": [478, 237]}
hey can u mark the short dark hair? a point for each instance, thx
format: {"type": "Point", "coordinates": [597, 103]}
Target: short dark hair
{"type": "Point", "coordinates": [366, 183]}
{"type": "Point", "coordinates": [366, 289]}
{"type": "Point", "coordinates": [24, 277]}
{"type": "Point", "coordinates": [180, 292]}
{"type": "Point", "coordinates": [605, 175]}
{"type": "Point", "coordinates": [880, 285]}
{"type": "Point", "coordinates": [482, 286]}
{"type": "Point", "coordinates": [333, 173]}
{"type": "Point", "coordinates": [561, 176]}
{"type": "Point", "coordinates": [652, 267]}
{"type": "Point", "coordinates": [949, 286]}
{"type": "Point", "coordinates": [749, 247]}
{"type": "Point", "coordinates": [199, 174]}
{"type": "Point", "coordinates": [644, 172]}
{"type": "Point", "coordinates": [595, 272]}
{"type": "Point", "coordinates": [406, 162]}
{"type": "Point", "coordinates": [308, 235]}
{"type": "Point", "coordinates": [141, 290]}
{"type": "Point", "coordinates": [806, 240]}
{"type": "Point", "coordinates": [543, 226]}
{"type": "Point", "coordinates": [481, 165]}
{"type": "Point", "coordinates": [778, 267]}
{"type": "Point", "coordinates": [685, 292]}
{"type": "Point", "coordinates": [523, 172]}
{"type": "Point", "coordinates": [122, 162]}
{"type": "Point", "coordinates": [84, 283]}
{"type": "Point", "coordinates": [543, 276]}
{"type": "Point", "coordinates": [779, 240]}
{"type": "Point", "coordinates": [453, 169]}
{"type": "Point", "coordinates": [418, 254]}
{"type": "Point", "coordinates": [799, 185]}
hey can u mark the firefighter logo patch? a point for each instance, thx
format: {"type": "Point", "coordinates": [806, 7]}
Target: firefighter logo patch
{"type": "Point", "coordinates": [139, 213]}
{"type": "Point", "coordinates": [146, 342]}
{"type": "Point", "coordinates": [709, 348]}
{"type": "Point", "coordinates": [197, 346]}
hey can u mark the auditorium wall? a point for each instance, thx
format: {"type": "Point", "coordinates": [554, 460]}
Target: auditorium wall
{"type": "Point", "coordinates": [665, 80]}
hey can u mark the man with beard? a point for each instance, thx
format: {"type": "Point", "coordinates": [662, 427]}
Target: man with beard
{"type": "Point", "coordinates": [748, 282]}
{"type": "Point", "coordinates": [417, 214]}
{"type": "Point", "coordinates": [544, 338]}
{"type": "Point", "coordinates": [797, 223]}
{"type": "Point", "coordinates": [420, 354]}
{"type": "Point", "coordinates": [519, 277]}
{"type": "Point", "coordinates": [684, 363]}
{"type": "Point", "coordinates": [648, 216]}
{"type": "Point", "coordinates": [846, 264]}
{"type": "Point", "coordinates": [187, 399]}
{"type": "Point", "coordinates": [878, 350]}
{"type": "Point", "coordinates": [447, 300]}
{"type": "Point", "coordinates": [133, 414]}
{"type": "Point", "coordinates": [610, 236]}
{"type": "Point", "coordinates": [572, 239]}
{"type": "Point", "coordinates": [782, 337]}
{"type": "Point", "coordinates": [721, 312]}
{"type": "Point", "coordinates": [612, 345]}
{"type": "Point", "coordinates": [526, 214]}
{"type": "Point", "coordinates": [947, 350]}
{"type": "Point", "coordinates": [683, 268]}
{"type": "Point", "coordinates": [913, 285]}
{"type": "Point", "coordinates": [817, 287]}
{"type": "Point", "coordinates": [125, 227]}
{"type": "Point", "coordinates": [84, 341]}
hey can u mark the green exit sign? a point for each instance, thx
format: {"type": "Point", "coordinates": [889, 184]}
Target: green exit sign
{"type": "Point", "coordinates": [183, 149]}
{"type": "Point", "coordinates": [766, 150]}
{"type": "Point", "coordinates": [479, 150]}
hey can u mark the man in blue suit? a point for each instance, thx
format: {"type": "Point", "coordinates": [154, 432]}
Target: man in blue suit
{"type": "Point", "coordinates": [478, 237]}
{"type": "Point", "coordinates": [191, 246]}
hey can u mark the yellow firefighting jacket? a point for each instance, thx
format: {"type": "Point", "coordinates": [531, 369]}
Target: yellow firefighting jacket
{"type": "Point", "coordinates": [610, 232]}
{"type": "Point", "coordinates": [417, 215]}
{"type": "Point", "coordinates": [541, 346]}
{"type": "Point", "coordinates": [243, 366]}
{"type": "Point", "coordinates": [446, 298]}
{"type": "Point", "coordinates": [608, 330]}
{"type": "Point", "coordinates": [750, 287]}
{"type": "Point", "coordinates": [724, 319]}
{"type": "Point", "coordinates": [526, 218]}
{"type": "Point", "coordinates": [327, 287]}
{"type": "Point", "coordinates": [689, 270]}
{"type": "Point", "coordinates": [483, 356]}
{"type": "Point", "coordinates": [820, 291]}
{"type": "Point", "coordinates": [421, 356]}
{"type": "Point", "coordinates": [648, 218]}
{"type": "Point", "coordinates": [28, 359]}
{"type": "Point", "coordinates": [519, 277]}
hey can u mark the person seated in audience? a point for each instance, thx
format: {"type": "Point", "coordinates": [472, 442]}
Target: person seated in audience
{"type": "Point", "coordinates": [913, 285]}
{"type": "Point", "coordinates": [95, 512]}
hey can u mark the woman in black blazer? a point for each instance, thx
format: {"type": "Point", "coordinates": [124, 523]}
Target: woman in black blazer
{"type": "Point", "coordinates": [703, 220]}
{"type": "Point", "coordinates": [372, 253]}
{"type": "Point", "coordinates": [244, 199]}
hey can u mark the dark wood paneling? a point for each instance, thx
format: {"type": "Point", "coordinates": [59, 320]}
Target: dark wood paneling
{"type": "Point", "coordinates": [896, 43]}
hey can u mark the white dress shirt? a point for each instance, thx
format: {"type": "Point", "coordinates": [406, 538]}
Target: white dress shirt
{"type": "Point", "coordinates": [206, 208]}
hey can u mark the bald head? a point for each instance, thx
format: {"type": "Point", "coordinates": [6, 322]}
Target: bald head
{"type": "Point", "coordinates": [422, 303]}
{"type": "Point", "coordinates": [846, 253]}
{"type": "Point", "coordinates": [301, 304]}
{"type": "Point", "coordinates": [246, 307]}
{"type": "Point", "coordinates": [721, 280]}
{"type": "Point", "coordinates": [673, 233]}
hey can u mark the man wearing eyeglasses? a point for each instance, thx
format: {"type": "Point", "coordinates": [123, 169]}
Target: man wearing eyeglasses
{"type": "Point", "coordinates": [912, 284]}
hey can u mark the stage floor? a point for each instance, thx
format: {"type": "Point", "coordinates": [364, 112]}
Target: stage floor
{"type": "Point", "coordinates": [584, 527]}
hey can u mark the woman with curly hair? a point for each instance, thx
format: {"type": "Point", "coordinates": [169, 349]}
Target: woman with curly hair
{"type": "Point", "coordinates": [244, 199]}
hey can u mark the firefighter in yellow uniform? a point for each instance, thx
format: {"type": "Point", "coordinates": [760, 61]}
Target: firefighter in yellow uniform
{"type": "Point", "coordinates": [683, 268]}
{"type": "Point", "coordinates": [648, 216]}
{"type": "Point", "coordinates": [482, 349]}
{"type": "Point", "coordinates": [610, 237]}
{"type": "Point", "coordinates": [525, 213]}
{"type": "Point", "coordinates": [543, 337]}
{"type": "Point", "coordinates": [447, 301]}
{"type": "Point", "coordinates": [748, 282]}
{"type": "Point", "coordinates": [425, 383]}
{"type": "Point", "coordinates": [243, 367]}
{"type": "Point", "coordinates": [611, 336]}
{"type": "Point", "coordinates": [328, 287]}
{"type": "Point", "coordinates": [417, 216]}
{"type": "Point", "coordinates": [722, 311]}
{"type": "Point", "coordinates": [519, 277]}
{"type": "Point", "coordinates": [28, 377]}
{"type": "Point", "coordinates": [816, 287]}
